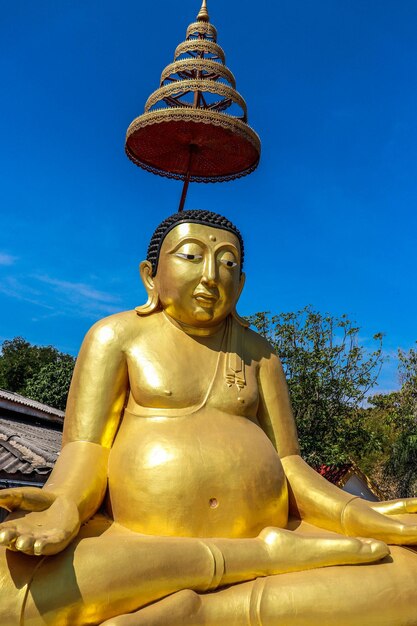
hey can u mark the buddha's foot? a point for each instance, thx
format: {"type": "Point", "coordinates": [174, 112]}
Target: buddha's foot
{"type": "Point", "coordinates": [291, 552]}
{"type": "Point", "coordinates": [180, 608]}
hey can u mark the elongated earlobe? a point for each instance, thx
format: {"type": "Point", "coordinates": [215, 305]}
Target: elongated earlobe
{"type": "Point", "coordinates": [235, 314]}
{"type": "Point", "coordinates": [152, 305]}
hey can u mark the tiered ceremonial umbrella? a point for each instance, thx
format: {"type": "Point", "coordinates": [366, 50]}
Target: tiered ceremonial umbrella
{"type": "Point", "coordinates": [194, 127]}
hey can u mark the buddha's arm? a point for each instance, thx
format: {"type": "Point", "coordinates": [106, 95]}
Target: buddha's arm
{"type": "Point", "coordinates": [316, 501]}
{"type": "Point", "coordinates": [94, 406]}
{"type": "Point", "coordinates": [78, 482]}
{"type": "Point", "coordinates": [312, 497]}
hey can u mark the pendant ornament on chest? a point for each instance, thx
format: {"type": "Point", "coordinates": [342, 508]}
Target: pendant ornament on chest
{"type": "Point", "coordinates": [234, 363]}
{"type": "Point", "coordinates": [235, 378]}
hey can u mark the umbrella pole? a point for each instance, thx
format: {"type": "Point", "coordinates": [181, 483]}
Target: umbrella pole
{"type": "Point", "coordinates": [187, 179]}
{"type": "Point", "coordinates": [184, 191]}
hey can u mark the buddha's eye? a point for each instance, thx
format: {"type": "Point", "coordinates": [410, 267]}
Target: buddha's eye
{"type": "Point", "coordinates": [189, 257]}
{"type": "Point", "coordinates": [190, 251]}
{"type": "Point", "coordinates": [228, 259]}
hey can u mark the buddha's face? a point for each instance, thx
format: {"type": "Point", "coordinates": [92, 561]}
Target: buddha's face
{"type": "Point", "coordinates": [198, 277]}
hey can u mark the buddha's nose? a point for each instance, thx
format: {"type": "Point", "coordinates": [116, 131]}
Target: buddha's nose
{"type": "Point", "coordinates": [209, 270]}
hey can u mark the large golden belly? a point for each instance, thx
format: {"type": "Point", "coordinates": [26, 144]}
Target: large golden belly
{"type": "Point", "coordinates": [208, 474]}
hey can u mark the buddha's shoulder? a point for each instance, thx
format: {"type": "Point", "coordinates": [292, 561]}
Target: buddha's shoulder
{"type": "Point", "coordinates": [120, 327]}
{"type": "Point", "coordinates": [257, 346]}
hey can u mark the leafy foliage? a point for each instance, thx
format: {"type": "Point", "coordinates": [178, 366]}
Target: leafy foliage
{"type": "Point", "coordinates": [50, 384]}
{"type": "Point", "coordinates": [42, 373]}
{"type": "Point", "coordinates": [329, 376]}
{"type": "Point", "coordinates": [399, 411]}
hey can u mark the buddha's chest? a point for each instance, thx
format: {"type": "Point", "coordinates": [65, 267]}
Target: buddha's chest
{"type": "Point", "coordinates": [163, 374]}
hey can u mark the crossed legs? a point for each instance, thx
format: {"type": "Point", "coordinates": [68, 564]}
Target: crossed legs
{"type": "Point", "coordinates": [109, 572]}
{"type": "Point", "coordinates": [384, 594]}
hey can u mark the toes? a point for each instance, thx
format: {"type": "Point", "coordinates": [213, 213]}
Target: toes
{"type": "Point", "coordinates": [373, 548]}
{"type": "Point", "coordinates": [379, 549]}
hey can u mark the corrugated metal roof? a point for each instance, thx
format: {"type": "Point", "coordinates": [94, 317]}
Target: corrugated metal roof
{"type": "Point", "coordinates": [27, 448]}
{"type": "Point", "coordinates": [28, 402]}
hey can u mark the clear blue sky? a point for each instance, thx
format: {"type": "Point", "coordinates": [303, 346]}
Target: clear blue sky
{"type": "Point", "coordinates": [329, 218]}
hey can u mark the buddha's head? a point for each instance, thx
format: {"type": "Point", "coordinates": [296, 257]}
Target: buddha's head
{"type": "Point", "coordinates": [193, 269]}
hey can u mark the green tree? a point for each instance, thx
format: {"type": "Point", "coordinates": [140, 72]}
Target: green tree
{"type": "Point", "coordinates": [42, 373]}
{"type": "Point", "coordinates": [379, 423]}
{"type": "Point", "coordinates": [50, 384]}
{"type": "Point", "coordinates": [329, 376]}
{"type": "Point", "coordinates": [19, 360]}
{"type": "Point", "coordinates": [399, 411]}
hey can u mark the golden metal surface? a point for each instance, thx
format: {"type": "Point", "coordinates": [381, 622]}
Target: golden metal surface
{"type": "Point", "coordinates": [203, 13]}
{"type": "Point", "coordinates": [179, 424]}
{"type": "Point", "coordinates": [205, 66]}
{"type": "Point", "coordinates": [196, 85]}
{"type": "Point", "coordinates": [200, 45]}
{"type": "Point", "coordinates": [202, 28]}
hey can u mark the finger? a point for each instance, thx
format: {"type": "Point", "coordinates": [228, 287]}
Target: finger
{"type": "Point", "coordinates": [7, 537]}
{"type": "Point", "coordinates": [398, 533]}
{"type": "Point", "coordinates": [394, 507]}
{"type": "Point", "coordinates": [410, 505]}
{"type": "Point", "coordinates": [52, 544]}
{"type": "Point", "coordinates": [44, 547]}
{"type": "Point", "coordinates": [35, 499]}
{"type": "Point", "coordinates": [24, 543]}
{"type": "Point", "coordinates": [10, 499]}
{"type": "Point", "coordinates": [26, 498]}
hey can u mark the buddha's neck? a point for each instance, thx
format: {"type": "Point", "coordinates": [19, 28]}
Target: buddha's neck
{"type": "Point", "coordinates": [196, 331]}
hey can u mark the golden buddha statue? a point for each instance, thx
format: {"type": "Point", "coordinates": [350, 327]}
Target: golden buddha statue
{"type": "Point", "coordinates": [180, 497]}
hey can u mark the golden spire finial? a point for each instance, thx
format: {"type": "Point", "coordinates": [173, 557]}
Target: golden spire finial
{"type": "Point", "coordinates": [203, 16]}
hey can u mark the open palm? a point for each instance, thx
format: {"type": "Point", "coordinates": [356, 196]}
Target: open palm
{"type": "Point", "coordinates": [40, 522]}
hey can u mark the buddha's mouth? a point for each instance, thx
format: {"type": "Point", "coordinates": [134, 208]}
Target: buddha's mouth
{"type": "Point", "coordinates": [205, 298]}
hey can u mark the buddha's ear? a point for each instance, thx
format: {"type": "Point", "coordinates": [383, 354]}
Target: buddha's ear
{"type": "Point", "coordinates": [235, 314]}
{"type": "Point", "coordinates": [145, 270]}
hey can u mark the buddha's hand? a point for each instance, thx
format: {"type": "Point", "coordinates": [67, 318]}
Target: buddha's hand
{"type": "Point", "coordinates": [40, 522]}
{"type": "Point", "coordinates": [360, 517]}
{"type": "Point", "coordinates": [395, 507]}
{"type": "Point", "coordinates": [290, 551]}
